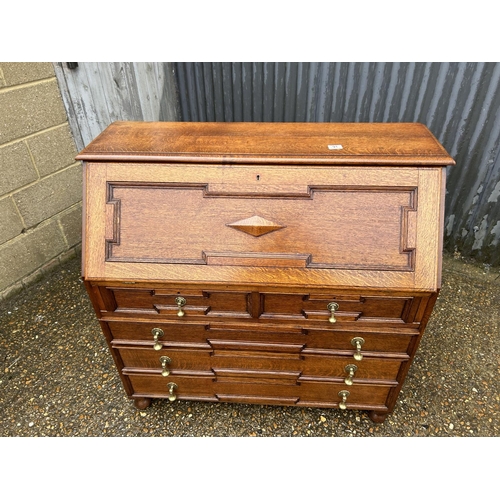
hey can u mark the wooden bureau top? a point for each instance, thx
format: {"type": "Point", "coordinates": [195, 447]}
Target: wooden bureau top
{"type": "Point", "coordinates": [270, 143]}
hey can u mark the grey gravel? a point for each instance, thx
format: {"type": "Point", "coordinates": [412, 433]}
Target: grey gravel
{"type": "Point", "coordinates": [57, 377]}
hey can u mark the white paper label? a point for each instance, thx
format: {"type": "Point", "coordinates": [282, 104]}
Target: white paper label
{"type": "Point", "coordinates": [335, 146]}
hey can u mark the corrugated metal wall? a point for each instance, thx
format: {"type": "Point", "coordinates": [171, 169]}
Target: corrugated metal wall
{"type": "Point", "coordinates": [459, 102]}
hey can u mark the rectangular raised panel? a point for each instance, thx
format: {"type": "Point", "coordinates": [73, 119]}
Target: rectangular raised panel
{"type": "Point", "coordinates": [257, 400]}
{"type": "Point", "coordinates": [174, 333]}
{"type": "Point", "coordinates": [172, 224]}
{"type": "Point", "coordinates": [361, 308]}
{"type": "Point", "coordinates": [181, 359]}
{"type": "Point", "coordinates": [196, 387]}
{"type": "Point", "coordinates": [307, 393]}
{"type": "Point", "coordinates": [361, 396]}
{"type": "Point", "coordinates": [255, 259]}
{"type": "Point", "coordinates": [225, 347]}
{"type": "Point", "coordinates": [374, 341]}
{"type": "Point", "coordinates": [306, 365]}
{"type": "Point", "coordinates": [335, 367]}
{"type": "Point", "coordinates": [269, 378]}
{"type": "Point", "coordinates": [211, 335]}
{"type": "Point", "coordinates": [163, 302]}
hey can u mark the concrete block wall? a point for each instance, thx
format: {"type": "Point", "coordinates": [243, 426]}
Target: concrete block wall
{"type": "Point", "coordinates": [40, 182]}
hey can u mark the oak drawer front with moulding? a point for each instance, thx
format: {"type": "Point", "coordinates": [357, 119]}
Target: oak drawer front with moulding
{"type": "Point", "coordinates": [308, 393]}
{"type": "Point", "coordinates": [296, 308]}
{"type": "Point", "coordinates": [193, 386]}
{"type": "Point", "coordinates": [242, 387]}
{"type": "Point", "coordinates": [172, 360]}
{"type": "Point", "coordinates": [157, 336]}
{"type": "Point", "coordinates": [264, 257]}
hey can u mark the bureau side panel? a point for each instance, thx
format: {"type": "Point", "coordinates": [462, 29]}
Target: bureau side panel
{"type": "Point", "coordinates": [99, 306]}
{"type": "Point", "coordinates": [95, 220]}
{"type": "Point", "coordinates": [430, 226]}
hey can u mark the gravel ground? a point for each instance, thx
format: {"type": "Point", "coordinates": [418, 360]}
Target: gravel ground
{"type": "Point", "coordinates": [57, 377]}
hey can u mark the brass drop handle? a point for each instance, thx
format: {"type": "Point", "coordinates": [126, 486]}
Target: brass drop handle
{"type": "Point", "coordinates": [332, 307]}
{"type": "Point", "coordinates": [358, 342]}
{"type": "Point", "coordinates": [350, 369]}
{"type": "Point", "coordinates": [181, 302]}
{"type": "Point", "coordinates": [165, 360]}
{"type": "Point", "coordinates": [157, 333]}
{"type": "Point", "coordinates": [171, 388]}
{"type": "Point", "coordinates": [344, 395]}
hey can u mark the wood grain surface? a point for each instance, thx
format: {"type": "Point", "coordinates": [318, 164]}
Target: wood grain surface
{"type": "Point", "coordinates": [300, 143]}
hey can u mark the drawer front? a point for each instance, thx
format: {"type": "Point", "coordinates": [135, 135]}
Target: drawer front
{"type": "Point", "coordinates": [226, 361]}
{"type": "Point", "coordinates": [370, 342]}
{"type": "Point", "coordinates": [200, 335]}
{"type": "Point", "coordinates": [304, 365]}
{"type": "Point", "coordinates": [268, 338]}
{"type": "Point", "coordinates": [244, 389]}
{"type": "Point", "coordinates": [332, 308]}
{"type": "Point", "coordinates": [295, 308]}
{"type": "Point", "coordinates": [317, 393]}
{"type": "Point", "coordinates": [186, 387]}
{"type": "Point", "coordinates": [124, 331]}
{"type": "Point", "coordinates": [177, 303]}
{"type": "Point", "coordinates": [349, 369]}
{"type": "Point", "coordinates": [176, 359]}
{"type": "Point", "coordinates": [359, 396]}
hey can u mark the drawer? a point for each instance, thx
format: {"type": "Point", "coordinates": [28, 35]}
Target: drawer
{"type": "Point", "coordinates": [142, 332]}
{"type": "Point", "coordinates": [225, 361]}
{"type": "Point", "coordinates": [350, 370]}
{"type": "Point", "coordinates": [359, 396]}
{"type": "Point", "coordinates": [240, 388]}
{"type": "Point", "coordinates": [199, 387]}
{"type": "Point", "coordinates": [366, 343]}
{"type": "Point", "coordinates": [177, 303]}
{"type": "Point", "coordinates": [310, 393]}
{"type": "Point", "coordinates": [244, 336]}
{"type": "Point", "coordinates": [333, 308]}
{"type": "Point", "coordinates": [200, 334]}
{"type": "Point", "coordinates": [372, 341]}
{"type": "Point", "coordinates": [303, 365]}
{"type": "Point", "coordinates": [166, 360]}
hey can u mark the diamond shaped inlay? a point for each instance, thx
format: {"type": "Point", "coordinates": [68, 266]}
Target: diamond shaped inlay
{"type": "Point", "coordinates": [255, 226]}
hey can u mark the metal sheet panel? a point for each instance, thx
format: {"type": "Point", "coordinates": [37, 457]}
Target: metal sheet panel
{"type": "Point", "coordinates": [458, 101]}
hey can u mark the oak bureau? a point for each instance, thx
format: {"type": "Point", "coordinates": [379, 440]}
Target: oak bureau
{"type": "Point", "coordinates": [267, 263]}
